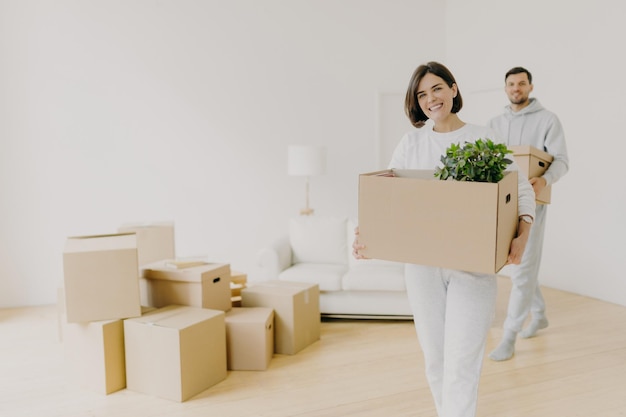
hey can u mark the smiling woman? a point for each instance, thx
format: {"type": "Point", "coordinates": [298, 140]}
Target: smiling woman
{"type": "Point", "coordinates": [457, 304]}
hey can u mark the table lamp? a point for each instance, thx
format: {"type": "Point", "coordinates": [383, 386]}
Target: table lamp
{"type": "Point", "coordinates": [307, 161]}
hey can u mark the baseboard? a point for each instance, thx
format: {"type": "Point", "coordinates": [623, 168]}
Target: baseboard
{"type": "Point", "coordinates": [366, 317]}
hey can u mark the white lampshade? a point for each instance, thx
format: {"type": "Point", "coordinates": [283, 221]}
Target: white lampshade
{"type": "Point", "coordinates": [306, 160]}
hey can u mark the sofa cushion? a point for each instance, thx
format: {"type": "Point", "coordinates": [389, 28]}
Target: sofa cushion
{"type": "Point", "coordinates": [375, 277]}
{"type": "Point", "coordinates": [327, 276]}
{"type": "Point", "coordinates": [318, 240]}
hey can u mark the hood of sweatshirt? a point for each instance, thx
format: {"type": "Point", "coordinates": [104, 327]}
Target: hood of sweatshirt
{"type": "Point", "coordinates": [533, 107]}
{"type": "Point", "coordinates": [538, 127]}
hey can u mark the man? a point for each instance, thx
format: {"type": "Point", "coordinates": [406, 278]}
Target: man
{"type": "Point", "coordinates": [526, 122]}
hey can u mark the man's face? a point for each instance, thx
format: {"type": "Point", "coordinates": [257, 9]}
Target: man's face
{"type": "Point", "coordinates": [518, 88]}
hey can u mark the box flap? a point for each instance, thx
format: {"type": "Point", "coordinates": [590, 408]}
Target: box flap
{"type": "Point", "coordinates": [176, 317]}
{"type": "Point", "coordinates": [199, 273]}
{"type": "Point", "coordinates": [101, 242]}
{"type": "Point", "coordinates": [531, 150]}
{"type": "Point", "coordinates": [249, 314]}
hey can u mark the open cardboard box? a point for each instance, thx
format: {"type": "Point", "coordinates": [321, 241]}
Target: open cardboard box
{"type": "Point", "coordinates": [100, 277]}
{"type": "Point", "coordinates": [410, 216]}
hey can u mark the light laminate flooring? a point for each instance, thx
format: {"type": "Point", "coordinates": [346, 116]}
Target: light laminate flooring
{"type": "Point", "coordinates": [368, 368]}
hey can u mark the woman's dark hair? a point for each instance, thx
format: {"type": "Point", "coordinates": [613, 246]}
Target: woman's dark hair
{"type": "Point", "coordinates": [519, 70]}
{"type": "Point", "coordinates": [411, 105]}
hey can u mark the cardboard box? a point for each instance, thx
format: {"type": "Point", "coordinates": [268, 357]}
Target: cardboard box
{"type": "Point", "coordinates": [534, 162]}
{"type": "Point", "coordinates": [94, 354]}
{"type": "Point", "coordinates": [249, 338]}
{"type": "Point", "coordinates": [100, 277]}
{"type": "Point", "coordinates": [175, 352]}
{"type": "Point", "coordinates": [155, 242]}
{"type": "Point", "coordinates": [297, 319]}
{"type": "Point", "coordinates": [410, 216]}
{"type": "Point", "coordinates": [206, 285]}
{"type": "Point", "coordinates": [238, 282]}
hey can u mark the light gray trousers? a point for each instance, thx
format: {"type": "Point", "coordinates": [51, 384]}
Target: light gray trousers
{"type": "Point", "coordinates": [526, 294]}
{"type": "Point", "coordinates": [453, 311]}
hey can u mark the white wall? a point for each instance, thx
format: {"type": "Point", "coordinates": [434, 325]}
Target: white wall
{"type": "Point", "coordinates": [575, 52]}
{"type": "Point", "coordinates": [121, 111]}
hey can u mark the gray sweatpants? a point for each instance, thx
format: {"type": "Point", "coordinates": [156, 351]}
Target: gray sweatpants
{"type": "Point", "coordinates": [453, 311]}
{"type": "Point", "coordinates": [526, 294]}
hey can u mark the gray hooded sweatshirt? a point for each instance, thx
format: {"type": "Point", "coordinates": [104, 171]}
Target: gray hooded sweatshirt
{"type": "Point", "coordinates": [538, 127]}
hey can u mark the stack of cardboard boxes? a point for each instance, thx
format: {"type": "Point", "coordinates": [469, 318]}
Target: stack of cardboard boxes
{"type": "Point", "coordinates": [238, 281]}
{"type": "Point", "coordinates": [297, 312]}
{"type": "Point", "coordinates": [133, 317]}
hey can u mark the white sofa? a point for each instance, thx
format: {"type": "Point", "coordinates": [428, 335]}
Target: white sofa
{"type": "Point", "coordinates": [319, 250]}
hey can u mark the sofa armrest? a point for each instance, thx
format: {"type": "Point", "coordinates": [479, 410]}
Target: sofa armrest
{"type": "Point", "coordinates": [274, 259]}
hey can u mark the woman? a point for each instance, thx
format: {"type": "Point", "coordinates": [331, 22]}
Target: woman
{"type": "Point", "coordinates": [452, 310]}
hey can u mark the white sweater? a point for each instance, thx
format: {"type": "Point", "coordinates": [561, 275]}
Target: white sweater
{"type": "Point", "coordinates": [423, 148]}
{"type": "Point", "coordinates": [538, 127]}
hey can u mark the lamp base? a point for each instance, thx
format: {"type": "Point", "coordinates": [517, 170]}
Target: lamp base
{"type": "Point", "coordinates": [306, 211]}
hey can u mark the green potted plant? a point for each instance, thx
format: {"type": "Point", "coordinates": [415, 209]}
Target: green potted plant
{"type": "Point", "coordinates": [480, 161]}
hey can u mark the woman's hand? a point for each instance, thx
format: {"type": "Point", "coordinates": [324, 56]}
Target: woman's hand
{"type": "Point", "coordinates": [518, 245]}
{"type": "Point", "coordinates": [538, 183]}
{"type": "Point", "coordinates": [356, 246]}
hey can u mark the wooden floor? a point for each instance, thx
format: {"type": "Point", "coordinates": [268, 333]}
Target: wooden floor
{"type": "Point", "coordinates": [576, 367]}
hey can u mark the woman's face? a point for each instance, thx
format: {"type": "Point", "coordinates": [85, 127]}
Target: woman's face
{"type": "Point", "coordinates": [435, 98]}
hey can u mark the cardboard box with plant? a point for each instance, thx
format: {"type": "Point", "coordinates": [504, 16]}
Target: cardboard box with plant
{"type": "Point", "coordinates": [466, 222]}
